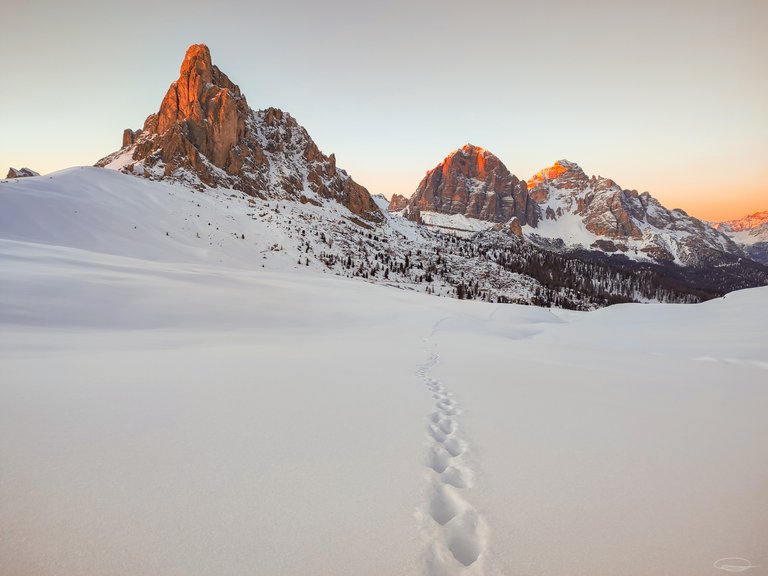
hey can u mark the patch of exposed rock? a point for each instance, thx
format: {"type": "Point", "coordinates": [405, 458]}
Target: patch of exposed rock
{"type": "Point", "coordinates": [21, 173]}
{"type": "Point", "coordinates": [397, 203]}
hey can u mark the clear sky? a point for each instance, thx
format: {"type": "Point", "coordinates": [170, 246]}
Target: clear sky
{"type": "Point", "coordinates": [665, 96]}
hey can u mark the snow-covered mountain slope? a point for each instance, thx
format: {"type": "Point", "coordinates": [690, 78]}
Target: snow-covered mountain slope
{"type": "Point", "coordinates": [454, 223]}
{"type": "Point", "coordinates": [110, 212]}
{"type": "Point", "coordinates": [749, 236]}
{"type": "Point", "coordinates": [170, 414]}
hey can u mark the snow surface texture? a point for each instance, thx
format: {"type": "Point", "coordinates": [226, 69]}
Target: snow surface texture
{"type": "Point", "coordinates": [170, 408]}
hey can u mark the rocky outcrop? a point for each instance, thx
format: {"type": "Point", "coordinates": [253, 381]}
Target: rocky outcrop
{"type": "Point", "coordinates": [473, 182]}
{"type": "Point", "coordinates": [397, 203]}
{"type": "Point", "coordinates": [205, 134]}
{"type": "Point", "coordinates": [129, 137]}
{"type": "Point", "coordinates": [21, 173]}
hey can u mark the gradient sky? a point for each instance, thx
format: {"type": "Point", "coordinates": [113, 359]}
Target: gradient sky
{"type": "Point", "coordinates": [669, 97]}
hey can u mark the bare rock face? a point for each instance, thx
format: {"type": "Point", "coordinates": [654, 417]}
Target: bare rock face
{"type": "Point", "coordinates": [473, 182]}
{"type": "Point", "coordinates": [21, 173]}
{"type": "Point", "coordinates": [205, 134]}
{"type": "Point", "coordinates": [129, 137]}
{"type": "Point", "coordinates": [624, 219]}
{"type": "Point", "coordinates": [515, 228]}
{"type": "Point", "coordinates": [397, 203]}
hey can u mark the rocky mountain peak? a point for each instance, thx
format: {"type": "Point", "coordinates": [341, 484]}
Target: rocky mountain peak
{"type": "Point", "coordinates": [473, 182]}
{"type": "Point", "coordinates": [471, 160]}
{"type": "Point", "coordinates": [197, 60]}
{"type": "Point", "coordinates": [205, 134]}
{"type": "Point", "coordinates": [204, 94]}
{"type": "Point", "coordinates": [562, 174]}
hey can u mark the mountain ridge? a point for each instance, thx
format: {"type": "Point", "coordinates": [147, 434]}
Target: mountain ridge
{"type": "Point", "coordinates": [271, 198]}
{"type": "Point", "coordinates": [750, 232]}
{"type": "Point", "coordinates": [748, 222]}
{"type": "Point", "coordinates": [570, 210]}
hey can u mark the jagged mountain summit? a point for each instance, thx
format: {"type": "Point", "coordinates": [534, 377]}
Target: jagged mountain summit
{"type": "Point", "coordinates": [750, 232]}
{"type": "Point", "coordinates": [472, 182]}
{"type": "Point", "coordinates": [562, 208]}
{"type": "Point", "coordinates": [205, 134]}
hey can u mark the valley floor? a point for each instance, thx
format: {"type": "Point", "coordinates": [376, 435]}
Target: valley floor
{"type": "Point", "coordinates": [184, 419]}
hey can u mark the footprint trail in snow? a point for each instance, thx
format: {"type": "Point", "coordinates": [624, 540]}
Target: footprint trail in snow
{"type": "Point", "coordinates": [456, 532]}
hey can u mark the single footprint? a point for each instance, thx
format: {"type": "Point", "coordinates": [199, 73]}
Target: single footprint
{"type": "Point", "coordinates": [437, 434]}
{"type": "Point", "coordinates": [438, 459]}
{"type": "Point", "coordinates": [454, 446]}
{"type": "Point", "coordinates": [445, 504]}
{"type": "Point", "coordinates": [465, 537]}
{"type": "Point", "coordinates": [445, 425]}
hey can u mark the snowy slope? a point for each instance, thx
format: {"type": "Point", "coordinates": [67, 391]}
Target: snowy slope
{"type": "Point", "coordinates": [455, 223]}
{"type": "Point", "coordinates": [750, 236]}
{"type": "Point", "coordinates": [110, 212]}
{"type": "Point", "coordinates": [167, 413]}
{"type": "Point", "coordinates": [107, 211]}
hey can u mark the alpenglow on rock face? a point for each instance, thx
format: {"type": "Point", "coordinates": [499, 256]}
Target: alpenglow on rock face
{"type": "Point", "coordinates": [205, 134]}
{"type": "Point", "coordinates": [749, 222]}
{"type": "Point", "coordinates": [472, 182]}
{"type": "Point", "coordinates": [562, 208]}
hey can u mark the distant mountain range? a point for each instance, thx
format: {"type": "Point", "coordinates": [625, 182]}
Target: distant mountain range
{"type": "Point", "coordinates": [751, 232]}
{"type": "Point", "coordinates": [471, 229]}
{"type": "Point", "coordinates": [561, 208]}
